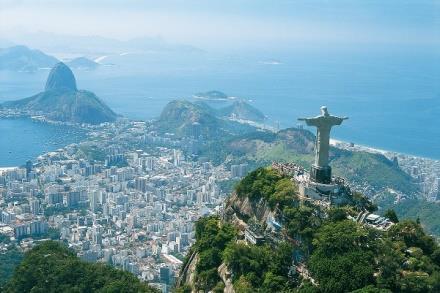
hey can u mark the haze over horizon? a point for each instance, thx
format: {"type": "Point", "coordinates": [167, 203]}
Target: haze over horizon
{"type": "Point", "coordinates": [183, 146]}
{"type": "Point", "coordinates": [287, 57]}
{"type": "Point", "coordinates": [231, 25]}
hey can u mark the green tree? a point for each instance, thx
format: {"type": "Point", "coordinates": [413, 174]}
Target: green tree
{"type": "Point", "coordinates": [260, 183]}
{"type": "Point", "coordinates": [219, 287]}
{"type": "Point", "coordinates": [371, 289]}
{"type": "Point", "coordinates": [342, 259]}
{"type": "Point", "coordinates": [284, 194]}
{"type": "Point", "coordinates": [389, 263]}
{"type": "Point", "coordinates": [337, 214]}
{"type": "Point", "coordinates": [242, 285]}
{"type": "Point", "coordinates": [301, 223]}
{"type": "Point", "coordinates": [412, 234]}
{"type": "Point", "coordinates": [274, 283]}
{"type": "Point", "coordinates": [51, 267]}
{"type": "Point", "coordinates": [391, 214]}
{"type": "Point", "coordinates": [9, 260]}
{"type": "Point", "coordinates": [212, 236]}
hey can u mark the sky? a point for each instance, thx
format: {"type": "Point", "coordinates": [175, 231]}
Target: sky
{"type": "Point", "coordinates": [232, 23]}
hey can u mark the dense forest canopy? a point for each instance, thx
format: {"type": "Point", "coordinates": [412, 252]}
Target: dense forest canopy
{"type": "Point", "coordinates": [316, 250]}
{"type": "Point", "coordinates": [52, 267]}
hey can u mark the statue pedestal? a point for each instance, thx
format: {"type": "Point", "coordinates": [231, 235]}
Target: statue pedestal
{"type": "Point", "coordinates": [321, 174]}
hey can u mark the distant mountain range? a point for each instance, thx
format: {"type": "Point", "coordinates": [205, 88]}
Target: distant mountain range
{"type": "Point", "coordinates": [94, 45]}
{"type": "Point", "coordinates": [21, 58]}
{"type": "Point", "coordinates": [82, 63]}
{"type": "Point", "coordinates": [24, 59]}
{"type": "Point", "coordinates": [62, 101]}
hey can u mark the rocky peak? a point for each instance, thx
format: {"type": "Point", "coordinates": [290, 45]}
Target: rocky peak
{"type": "Point", "coordinates": [61, 78]}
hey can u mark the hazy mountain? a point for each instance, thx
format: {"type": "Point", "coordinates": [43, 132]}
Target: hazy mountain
{"type": "Point", "coordinates": [90, 45]}
{"type": "Point", "coordinates": [61, 101]}
{"type": "Point", "coordinates": [82, 63]}
{"type": "Point", "coordinates": [212, 95]}
{"type": "Point", "coordinates": [21, 58]}
{"type": "Point", "coordinates": [239, 109]}
{"type": "Point", "coordinates": [190, 119]}
{"type": "Point", "coordinates": [242, 110]}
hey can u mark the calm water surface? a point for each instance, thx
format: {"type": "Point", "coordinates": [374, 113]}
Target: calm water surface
{"type": "Point", "coordinates": [391, 96]}
{"type": "Point", "coordinates": [23, 139]}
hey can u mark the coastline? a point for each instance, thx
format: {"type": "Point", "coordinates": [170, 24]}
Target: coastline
{"type": "Point", "coordinates": [38, 118]}
{"type": "Point", "coordinates": [374, 150]}
{"type": "Point", "coordinates": [390, 154]}
{"type": "Point", "coordinates": [341, 144]}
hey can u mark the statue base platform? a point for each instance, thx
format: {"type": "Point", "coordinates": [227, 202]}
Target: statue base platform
{"type": "Point", "coordinates": [314, 190]}
{"type": "Point", "coordinates": [321, 174]}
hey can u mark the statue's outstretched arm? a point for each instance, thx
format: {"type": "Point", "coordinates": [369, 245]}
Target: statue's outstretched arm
{"type": "Point", "coordinates": [338, 120]}
{"type": "Point", "coordinates": [309, 121]}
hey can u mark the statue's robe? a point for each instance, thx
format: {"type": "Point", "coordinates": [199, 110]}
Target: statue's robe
{"type": "Point", "coordinates": [323, 125]}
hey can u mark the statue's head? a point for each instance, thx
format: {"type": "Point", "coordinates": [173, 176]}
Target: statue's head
{"type": "Point", "coordinates": [324, 111]}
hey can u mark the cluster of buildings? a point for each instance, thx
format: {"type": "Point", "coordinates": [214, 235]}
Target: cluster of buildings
{"type": "Point", "coordinates": [239, 171]}
{"type": "Point", "coordinates": [424, 171]}
{"type": "Point", "coordinates": [135, 209]}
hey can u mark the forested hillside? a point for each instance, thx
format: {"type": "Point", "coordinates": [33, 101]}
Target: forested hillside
{"type": "Point", "coordinates": [315, 249]}
{"type": "Point", "coordinates": [51, 267]}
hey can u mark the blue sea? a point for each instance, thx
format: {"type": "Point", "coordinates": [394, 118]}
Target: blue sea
{"type": "Point", "coordinates": [23, 139]}
{"type": "Point", "coordinates": [391, 96]}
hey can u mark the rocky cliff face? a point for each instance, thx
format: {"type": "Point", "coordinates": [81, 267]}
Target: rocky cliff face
{"type": "Point", "coordinates": [239, 211]}
{"type": "Point", "coordinates": [187, 274]}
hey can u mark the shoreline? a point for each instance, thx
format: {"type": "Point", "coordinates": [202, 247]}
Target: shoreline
{"type": "Point", "coordinates": [341, 144]}
{"type": "Point", "coordinates": [370, 149]}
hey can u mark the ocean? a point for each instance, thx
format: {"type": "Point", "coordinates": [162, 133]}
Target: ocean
{"type": "Point", "coordinates": [23, 139]}
{"type": "Point", "coordinates": [392, 97]}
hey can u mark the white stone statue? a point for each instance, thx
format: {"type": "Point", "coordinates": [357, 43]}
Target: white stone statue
{"type": "Point", "coordinates": [323, 124]}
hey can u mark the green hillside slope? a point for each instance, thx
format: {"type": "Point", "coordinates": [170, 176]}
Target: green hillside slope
{"type": "Point", "coordinates": [51, 267]}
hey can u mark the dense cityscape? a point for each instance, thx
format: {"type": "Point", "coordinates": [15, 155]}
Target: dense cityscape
{"type": "Point", "coordinates": [424, 171]}
{"type": "Point", "coordinates": [136, 211]}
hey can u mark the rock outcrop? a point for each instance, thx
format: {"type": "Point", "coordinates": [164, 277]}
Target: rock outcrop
{"type": "Point", "coordinates": [61, 78]}
{"type": "Point", "coordinates": [62, 101]}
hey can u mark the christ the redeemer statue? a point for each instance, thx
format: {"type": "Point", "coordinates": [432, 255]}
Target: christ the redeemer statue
{"type": "Point", "coordinates": [321, 171]}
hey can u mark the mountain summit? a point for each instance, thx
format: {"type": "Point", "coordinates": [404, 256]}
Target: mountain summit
{"type": "Point", "coordinates": [184, 118]}
{"type": "Point", "coordinates": [61, 78]}
{"type": "Point", "coordinates": [62, 101]}
{"type": "Point", "coordinates": [242, 110]}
